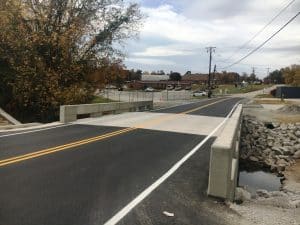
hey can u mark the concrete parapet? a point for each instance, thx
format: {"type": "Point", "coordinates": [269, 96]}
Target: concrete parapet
{"type": "Point", "coordinates": [69, 113]}
{"type": "Point", "coordinates": [224, 158]}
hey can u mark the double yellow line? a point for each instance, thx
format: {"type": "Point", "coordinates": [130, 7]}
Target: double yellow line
{"type": "Point", "coordinates": [172, 116]}
{"type": "Point", "coordinates": [59, 148]}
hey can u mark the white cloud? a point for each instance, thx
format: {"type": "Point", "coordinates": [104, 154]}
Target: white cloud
{"type": "Point", "coordinates": [163, 51]}
{"type": "Point", "coordinates": [151, 61]}
{"type": "Point", "coordinates": [181, 29]}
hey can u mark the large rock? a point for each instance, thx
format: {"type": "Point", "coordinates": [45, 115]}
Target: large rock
{"type": "Point", "coordinates": [263, 193]}
{"type": "Point", "coordinates": [297, 155]}
{"type": "Point", "coordinates": [296, 147]}
{"type": "Point", "coordinates": [286, 150]}
{"type": "Point", "coordinates": [241, 194]}
{"type": "Point", "coordinates": [277, 150]}
{"type": "Point", "coordinates": [254, 159]}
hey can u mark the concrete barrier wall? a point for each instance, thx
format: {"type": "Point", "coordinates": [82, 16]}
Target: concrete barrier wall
{"type": "Point", "coordinates": [68, 113]}
{"type": "Point", "coordinates": [224, 159]}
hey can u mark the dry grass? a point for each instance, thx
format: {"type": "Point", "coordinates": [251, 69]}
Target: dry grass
{"type": "Point", "coordinates": [288, 118]}
{"type": "Point", "coordinates": [270, 101]}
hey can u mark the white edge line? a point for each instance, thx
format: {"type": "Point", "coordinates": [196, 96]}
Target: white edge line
{"type": "Point", "coordinates": [123, 212]}
{"type": "Point", "coordinates": [33, 131]}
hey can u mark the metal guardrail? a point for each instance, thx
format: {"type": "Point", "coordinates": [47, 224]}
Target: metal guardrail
{"type": "Point", "coordinates": [69, 113]}
{"type": "Point", "coordinates": [224, 159]}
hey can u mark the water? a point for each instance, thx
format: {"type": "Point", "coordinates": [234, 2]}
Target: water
{"type": "Point", "coordinates": [259, 180]}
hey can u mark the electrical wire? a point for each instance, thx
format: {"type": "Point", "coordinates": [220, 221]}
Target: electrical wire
{"type": "Point", "coordinates": [261, 45]}
{"type": "Point", "coordinates": [261, 30]}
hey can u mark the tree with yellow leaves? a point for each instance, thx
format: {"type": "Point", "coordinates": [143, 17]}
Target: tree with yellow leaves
{"type": "Point", "coordinates": [49, 47]}
{"type": "Point", "coordinates": [292, 75]}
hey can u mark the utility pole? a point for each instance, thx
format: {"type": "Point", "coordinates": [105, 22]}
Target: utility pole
{"type": "Point", "coordinates": [253, 73]}
{"type": "Point", "coordinates": [210, 50]}
{"type": "Point", "coordinates": [268, 69]}
{"type": "Point", "coordinates": [253, 70]}
{"type": "Point", "coordinates": [214, 74]}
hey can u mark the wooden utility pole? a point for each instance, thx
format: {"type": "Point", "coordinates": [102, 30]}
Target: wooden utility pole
{"type": "Point", "coordinates": [210, 50]}
{"type": "Point", "coordinates": [214, 74]}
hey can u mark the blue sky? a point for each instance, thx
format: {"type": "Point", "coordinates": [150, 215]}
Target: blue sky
{"type": "Point", "coordinates": [176, 32]}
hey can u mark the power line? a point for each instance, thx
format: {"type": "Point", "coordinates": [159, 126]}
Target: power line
{"type": "Point", "coordinates": [261, 30]}
{"type": "Point", "coordinates": [261, 45]}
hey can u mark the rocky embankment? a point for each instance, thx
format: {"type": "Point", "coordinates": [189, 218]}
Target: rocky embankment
{"type": "Point", "coordinates": [270, 144]}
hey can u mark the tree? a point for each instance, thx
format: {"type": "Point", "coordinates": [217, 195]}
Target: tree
{"type": "Point", "coordinates": [135, 75]}
{"type": "Point", "coordinates": [275, 76]}
{"type": "Point", "coordinates": [49, 47]}
{"type": "Point", "coordinates": [110, 72]}
{"type": "Point", "coordinates": [252, 77]}
{"type": "Point", "coordinates": [292, 75]}
{"type": "Point", "coordinates": [175, 76]}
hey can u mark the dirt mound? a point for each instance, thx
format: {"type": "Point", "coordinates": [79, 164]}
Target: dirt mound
{"type": "Point", "coordinates": [291, 109]}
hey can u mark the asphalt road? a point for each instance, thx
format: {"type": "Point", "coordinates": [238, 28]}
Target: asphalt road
{"type": "Point", "coordinates": [85, 174]}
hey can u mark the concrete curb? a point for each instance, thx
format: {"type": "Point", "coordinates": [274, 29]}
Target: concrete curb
{"type": "Point", "coordinates": [17, 126]}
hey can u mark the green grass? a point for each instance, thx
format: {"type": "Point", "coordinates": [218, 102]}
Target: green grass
{"type": "Point", "coordinates": [199, 97]}
{"type": "Point", "coordinates": [231, 89]}
{"type": "Point", "coordinates": [98, 99]}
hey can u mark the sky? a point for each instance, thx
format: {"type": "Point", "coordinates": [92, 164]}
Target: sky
{"type": "Point", "coordinates": [175, 35]}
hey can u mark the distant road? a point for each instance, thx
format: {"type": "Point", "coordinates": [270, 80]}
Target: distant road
{"type": "Point", "coordinates": [86, 172]}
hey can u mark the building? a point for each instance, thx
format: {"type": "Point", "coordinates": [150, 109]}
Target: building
{"type": "Point", "coordinates": [195, 78]}
{"type": "Point", "coordinates": [158, 84]}
{"type": "Point", "coordinates": [154, 77]}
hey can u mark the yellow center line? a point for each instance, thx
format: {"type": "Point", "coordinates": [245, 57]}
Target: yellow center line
{"type": "Point", "coordinates": [94, 139]}
{"type": "Point", "coordinates": [172, 116]}
{"type": "Point", "coordinates": [61, 147]}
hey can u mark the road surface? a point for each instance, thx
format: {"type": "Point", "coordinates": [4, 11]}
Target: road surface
{"type": "Point", "coordinates": [86, 172]}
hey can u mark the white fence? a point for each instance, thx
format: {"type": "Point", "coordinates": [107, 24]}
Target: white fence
{"type": "Point", "coordinates": [133, 96]}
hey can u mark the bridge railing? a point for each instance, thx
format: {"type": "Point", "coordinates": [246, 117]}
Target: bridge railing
{"type": "Point", "coordinates": [69, 113]}
{"type": "Point", "coordinates": [224, 159]}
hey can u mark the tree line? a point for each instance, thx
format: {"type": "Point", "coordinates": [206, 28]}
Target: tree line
{"type": "Point", "coordinates": [288, 75]}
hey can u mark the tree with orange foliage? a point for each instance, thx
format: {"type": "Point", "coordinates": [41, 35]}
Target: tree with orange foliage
{"type": "Point", "coordinates": [292, 75]}
{"type": "Point", "coordinates": [49, 47]}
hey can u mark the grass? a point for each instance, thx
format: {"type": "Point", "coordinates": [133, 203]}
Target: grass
{"type": "Point", "coordinates": [231, 89]}
{"type": "Point", "coordinates": [199, 97]}
{"type": "Point", "coordinates": [275, 101]}
{"type": "Point", "coordinates": [288, 118]}
{"type": "Point", "coordinates": [98, 99]}
{"type": "Point", "coordinates": [264, 96]}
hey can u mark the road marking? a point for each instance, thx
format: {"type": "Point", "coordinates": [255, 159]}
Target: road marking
{"type": "Point", "coordinates": [61, 147]}
{"type": "Point", "coordinates": [172, 116]}
{"type": "Point", "coordinates": [47, 151]}
{"type": "Point", "coordinates": [32, 131]}
{"type": "Point", "coordinates": [123, 212]}
{"type": "Point", "coordinates": [201, 107]}
{"type": "Point", "coordinates": [190, 103]}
